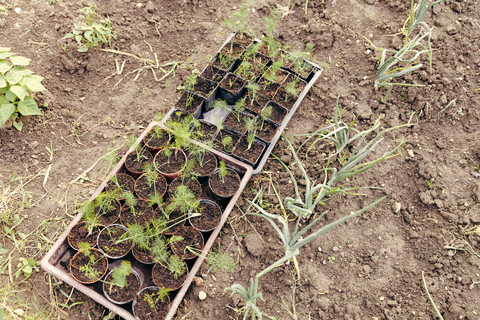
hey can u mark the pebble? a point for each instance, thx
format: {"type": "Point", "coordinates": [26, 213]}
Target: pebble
{"type": "Point", "coordinates": [18, 10]}
{"type": "Point", "coordinates": [410, 153]}
{"type": "Point", "coordinates": [319, 249]}
{"type": "Point", "coordinates": [397, 206]}
{"type": "Point", "coordinates": [335, 249]}
{"type": "Point", "coordinates": [202, 295]}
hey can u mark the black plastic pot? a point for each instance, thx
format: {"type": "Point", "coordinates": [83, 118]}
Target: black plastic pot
{"type": "Point", "coordinates": [231, 88]}
{"type": "Point", "coordinates": [249, 155]}
{"type": "Point", "coordinates": [213, 73]}
{"type": "Point", "coordinates": [191, 103]}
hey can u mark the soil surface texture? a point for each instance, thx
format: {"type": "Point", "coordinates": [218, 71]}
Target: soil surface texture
{"type": "Point", "coordinates": [368, 268]}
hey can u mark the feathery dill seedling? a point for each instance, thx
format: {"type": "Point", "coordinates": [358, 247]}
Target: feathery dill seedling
{"type": "Point", "coordinates": [222, 170]}
{"type": "Point", "coordinates": [119, 275]}
{"type": "Point", "coordinates": [155, 297]}
{"type": "Point", "coordinates": [291, 89]}
{"type": "Point", "coordinates": [139, 149]}
{"type": "Point", "coordinates": [219, 261]}
{"type": "Point", "coordinates": [220, 104]}
{"type": "Point", "coordinates": [253, 89]}
{"type": "Point", "coordinates": [92, 221]}
{"type": "Point", "coordinates": [183, 199]}
{"type": "Point", "coordinates": [87, 269]}
{"type": "Point", "coordinates": [271, 24]}
{"type": "Point", "coordinates": [252, 126]}
{"type": "Point", "coordinates": [227, 143]}
{"type": "Point", "coordinates": [240, 19]}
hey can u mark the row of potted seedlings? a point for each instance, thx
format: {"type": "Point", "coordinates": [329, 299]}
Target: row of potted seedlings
{"type": "Point", "coordinates": [151, 221]}
{"type": "Point", "coordinates": [254, 85]}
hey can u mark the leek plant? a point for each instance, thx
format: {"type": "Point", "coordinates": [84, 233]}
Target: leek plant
{"type": "Point", "coordinates": [352, 147]}
{"type": "Point", "coordinates": [409, 55]}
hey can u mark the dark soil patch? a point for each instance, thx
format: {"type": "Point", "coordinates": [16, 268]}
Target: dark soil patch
{"type": "Point", "coordinates": [156, 140]}
{"type": "Point", "coordinates": [192, 184]}
{"type": "Point", "coordinates": [155, 309]}
{"type": "Point", "coordinates": [204, 164]}
{"type": "Point", "coordinates": [232, 83]}
{"type": "Point", "coordinates": [251, 154]}
{"type": "Point", "coordinates": [278, 113]}
{"type": "Point", "coordinates": [267, 88]}
{"type": "Point", "coordinates": [219, 143]}
{"type": "Point", "coordinates": [266, 131]}
{"type": "Point", "coordinates": [170, 164]}
{"type": "Point", "coordinates": [256, 102]}
{"type": "Point", "coordinates": [111, 243]}
{"type": "Point", "coordinates": [143, 256]}
{"type": "Point", "coordinates": [108, 217]}
{"type": "Point", "coordinates": [79, 233]}
{"type": "Point", "coordinates": [204, 132]}
{"type": "Point", "coordinates": [164, 279]}
{"type": "Point", "coordinates": [284, 99]}
{"type": "Point", "coordinates": [232, 49]}
{"type": "Point", "coordinates": [213, 73]}
{"type": "Point", "coordinates": [124, 181]}
{"type": "Point", "coordinates": [204, 87]}
{"type": "Point", "coordinates": [189, 102]}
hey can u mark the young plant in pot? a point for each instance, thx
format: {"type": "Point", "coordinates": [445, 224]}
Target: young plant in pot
{"type": "Point", "coordinates": [143, 238]}
{"type": "Point", "coordinates": [137, 159]}
{"type": "Point", "coordinates": [223, 62]}
{"type": "Point", "coordinates": [189, 101]}
{"type": "Point", "coordinates": [122, 284]}
{"type": "Point", "coordinates": [213, 73]}
{"type": "Point", "coordinates": [232, 49]}
{"type": "Point", "coordinates": [231, 88]}
{"type": "Point", "coordinates": [170, 162]}
{"type": "Point", "coordinates": [151, 303]}
{"type": "Point", "coordinates": [122, 181]}
{"type": "Point", "coordinates": [206, 217]}
{"type": "Point", "coordinates": [107, 207]}
{"type": "Point", "coordinates": [87, 229]}
{"type": "Point", "coordinates": [156, 139]}
{"type": "Point", "coordinates": [224, 182]}
{"type": "Point", "coordinates": [136, 211]}
{"type": "Point", "coordinates": [203, 161]}
{"type": "Point", "coordinates": [265, 129]}
{"type": "Point", "coordinates": [268, 85]}
{"type": "Point", "coordinates": [150, 183]}
{"type": "Point", "coordinates": [192, 241]}
{"type": "Point", "coordinates": [188, 180]}
{"type": "Point", "coordinates": [169, 270]}
{"type": "Point", "coordinates": [88, 265]}
{"type": "Point", "coordinates": [113, 241]}
{"type": "Point", "coordinates": [278, 112]}
{"type": "Point", "coordinates": [248, 147]}
{"type": "Point", "coordinates": [302, 67]}
{"type": "Point", "coordinates": [253, 100]}
{"type": "Point", "coordinates": [288, 93]}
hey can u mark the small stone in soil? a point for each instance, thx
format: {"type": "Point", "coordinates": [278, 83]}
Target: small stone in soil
{"type": "Point", "coordinates": [202, 295]}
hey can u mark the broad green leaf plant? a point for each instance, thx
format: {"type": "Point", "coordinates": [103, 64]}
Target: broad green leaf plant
{"type": "Point", "coordinates": [90, 33]}
{"type": "Point", "coordinates": [17, 83]}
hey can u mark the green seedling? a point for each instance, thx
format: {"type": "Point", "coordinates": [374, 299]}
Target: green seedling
{"type": "Point", "coordinates": [219, 261]}
{"type": "Point", "coordinates": [27, 267]}
{"type": "Point", "coordinates": [153, 299]}
{"type": "Point", "coordinates": [439, 314]}
{"type": "Point", "coordinates": [120, 274]}
{"type": "Point", "coordinates": [238, 109]}
{"type": "Point", "coordinates": [240, 19]}
{"type": "Point", "coordinates": [88, 270]}
{"type": "Point", "coordinates": [17, 83]}
{"type": "Point", "coordinates": [222, 170]}
{"type": "Point", "coordinates": [253, 89]}
{"type": "Point", "coordinates": [227, 143]}
{"type": "Point", "coordinates": [291, 89]}
{"type": "Point", "coordinates": [88, 32]}
{"type": "Point", "coordinates": [183, 199]}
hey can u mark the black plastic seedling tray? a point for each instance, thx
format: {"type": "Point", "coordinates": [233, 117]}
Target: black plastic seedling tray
{"type": "Point", "coordinates": [213, 115]}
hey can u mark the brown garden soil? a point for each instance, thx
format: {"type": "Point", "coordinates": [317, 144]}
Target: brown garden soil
{"type": "Point", "coordinates": [164, 279]}
{"type": "Point", "coordinates": [144, 189]}
{"type": "Point", "coordinates": [204, 164]}
{"type": "Point", "coordinates": [144, 311]}
{"type": "Point", "coordinates": [81, 259]}
{"type": "Point", "coordinates": [192, 238]}
{"type": "Point", "coordinates": [210, 214]}
{"type": "Point", "coordinates": [225, 187]}
{"type": "Point", "coordinates": [80, 234]}
{"type": "Point", "coordinates": [368, 268]}
{"type": "Point", "coordinates": [108, 241]}
{"type": "Point", "coordinates": [250, 154]}
{"type": "Point", "coordinates": [143, 214]}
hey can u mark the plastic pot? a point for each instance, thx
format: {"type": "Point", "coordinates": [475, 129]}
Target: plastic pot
{"type": "Point", "coordinates": [137, 160]}
{"type": "Point", "coordinates": [170, 166]}
{"type": "Point", "coordinates": [192, 238]}
{"type": "Point", "coordinates": [156, 139]}
{"type": "Point", "coordinates": [224, 188]}
{"type": "Point", "coordinates": [162, 277]}
{"type": "Point", "coordinates": [213, 73]}
{"type": "Point", "coordinates": [82, 258]}
{"type": "Point", "coordinates": [144, 309]}
{"type": "Point", "coordinates": [108, 238]}
{"type": "Point", "coordinates": [192, 184]}
{"type": "Point", "coordinates": [210, 215]}
{"type": "Point", "coordinates": [80, 234]}
{"type": "Point", "coordinates": [249, 154]}
{"type": "Point", "coordinates": [144, 190]}
{"type": "Point", "coordinates": [142, 213]}
{"type": "Point", "coordinates": [191, 103]}
{"type": "Point", "coordinates": [231, 88]}
{"type": "Point", "coordinates": [113, 292]}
